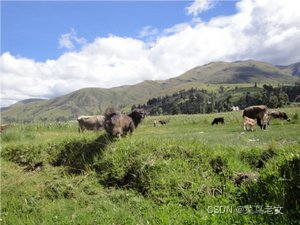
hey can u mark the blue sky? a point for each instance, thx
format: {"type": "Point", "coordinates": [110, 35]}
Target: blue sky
{"type": "Point", "coordinates": [53, 48]}
{"type": "Point", "coordinates": [32, 29]}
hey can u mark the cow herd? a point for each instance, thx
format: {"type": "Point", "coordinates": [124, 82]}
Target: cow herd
{"type": "Point", "coordinates": [117, 124]}
{"type": "Point", "coordinates": [257, 114]}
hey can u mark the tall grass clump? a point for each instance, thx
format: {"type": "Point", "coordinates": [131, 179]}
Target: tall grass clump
{"type": "Point", "coordinates": [16, 134]}
{"type": "Point", "coordinates": [295, 116]}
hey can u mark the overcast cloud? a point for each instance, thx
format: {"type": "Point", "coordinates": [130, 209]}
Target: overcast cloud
{"type": "Point", "coordinates": [263, 30]}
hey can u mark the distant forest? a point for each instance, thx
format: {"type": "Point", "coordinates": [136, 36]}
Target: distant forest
{"type": "Point", "coordinates": [195, 100]}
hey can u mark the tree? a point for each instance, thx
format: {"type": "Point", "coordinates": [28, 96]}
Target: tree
{"type": "Point", "coordinates": [283, 98]}
{"type": "Point", "coordinates": [133, 107]}
{"type": "Point", "coordinates": [176, 109]}
{"type": "Point", "coordinates": [248, 99]}
{"type": "Point", "coordinates": [273, 101]}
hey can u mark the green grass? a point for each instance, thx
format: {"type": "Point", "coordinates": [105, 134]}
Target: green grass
{"type": "Point", "coordinates": [160, 175]}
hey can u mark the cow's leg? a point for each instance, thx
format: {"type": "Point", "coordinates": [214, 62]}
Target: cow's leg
{"type": "Point", "coordinates": [80, 129]}
{"type": "Point", "coordinates": [259, 123]}
{"type": "Point", "coordinates": [131, 130]}
{"type": "Point", "coordinates": [248, 127]}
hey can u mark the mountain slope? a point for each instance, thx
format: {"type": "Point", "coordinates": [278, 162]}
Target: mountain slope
{"type": "Point", "coordinates": [241, 72]}
{"type": "Point", "coordinates": [96, 100]}
{"type": "Point", "coordinates": [293, 69]}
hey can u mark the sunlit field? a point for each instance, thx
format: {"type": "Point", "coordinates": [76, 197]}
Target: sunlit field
{"type": "Point", "coordinates": [185, 172]}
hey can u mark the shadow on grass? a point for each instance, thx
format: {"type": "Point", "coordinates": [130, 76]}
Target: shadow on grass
{"type": "Point", "coordinates": [78, 156]}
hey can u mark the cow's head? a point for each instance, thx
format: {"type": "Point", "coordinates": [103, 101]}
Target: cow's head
{"type": "Point", "coordinates": [285, 117]}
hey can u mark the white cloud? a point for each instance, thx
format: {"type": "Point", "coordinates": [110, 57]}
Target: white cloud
{"type": "Point", "coordinates": [69, 40]}
{"type": "Point", "coordinates": [199, 6]}
{"type": "Point", "coordinates": [148, 31]}
{"type": "Point", "coordinates": [261, 30]}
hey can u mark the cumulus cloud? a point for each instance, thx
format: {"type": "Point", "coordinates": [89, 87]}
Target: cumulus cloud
{"type": "Point", "coordinates": [199, 6]}
{"type": "Point", "coordinates": [261, 30]}
{"type": "Point", "coordinates": [69, 40]}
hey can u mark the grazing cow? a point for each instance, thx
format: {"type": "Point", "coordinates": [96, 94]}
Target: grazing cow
{"type": "Point", "coordinates": [258, 112]}
{"type": "Point", "coordinates": [218, 120]}
{"type": "Point", "coordinates": [278, 115]}
{"type": "Point", "coordinates": [95, 122]}
{"type": "Point", "coordinates": [248, 122]}
{"type": "Point", "coordinates": [163, 122]}
{"type": "Point", "coordinates": [117, 124]}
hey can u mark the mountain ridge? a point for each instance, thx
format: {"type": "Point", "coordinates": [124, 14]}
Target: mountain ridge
{"type": "Point", "coordinates": [95, 100]}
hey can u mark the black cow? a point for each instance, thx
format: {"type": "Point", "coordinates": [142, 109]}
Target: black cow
{"type": "Point", "coordinates": [218, 120]}
{"type": "Point", "coordinates": [162, 122]}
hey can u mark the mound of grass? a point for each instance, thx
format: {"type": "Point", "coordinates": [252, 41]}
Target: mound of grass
{"type": "Point", "coordinates": [16, 134]}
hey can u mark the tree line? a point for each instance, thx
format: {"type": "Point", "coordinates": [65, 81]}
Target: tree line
{"type": "Point", "coordinates": [194, 100]}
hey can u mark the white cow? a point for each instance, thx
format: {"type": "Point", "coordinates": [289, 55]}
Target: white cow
{"type": "Point", "coordinates": [95, 122]}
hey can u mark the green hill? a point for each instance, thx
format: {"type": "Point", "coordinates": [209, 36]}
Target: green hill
{"type": "Point", "coordinates": [96, 100]}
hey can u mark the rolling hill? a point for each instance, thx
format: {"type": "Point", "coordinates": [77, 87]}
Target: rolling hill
{"type": "Point", "coordinates": [96, 100]}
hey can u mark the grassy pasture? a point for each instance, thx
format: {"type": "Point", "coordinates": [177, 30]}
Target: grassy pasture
{"type": "Point", "coordinates": [51, 174]}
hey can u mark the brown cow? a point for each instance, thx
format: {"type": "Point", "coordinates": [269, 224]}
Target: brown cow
{"type": "Point", "coordinates": [163, 122]}
{"type": "Point", "coordinates": [95, 122]}
{"type": "Point", "coordinates": [258, 112]}
{"type": "Point", "coordinates": [117, 124]}
{"type": "Point", "coordinates": [248, 122]}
